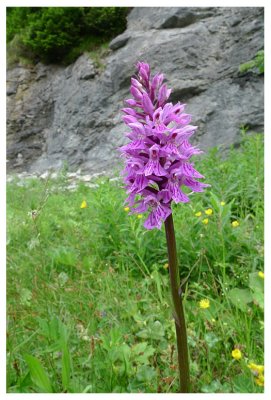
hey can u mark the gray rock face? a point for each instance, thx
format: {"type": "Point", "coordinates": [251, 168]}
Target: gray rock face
{"type": "Point", "coordinates": [119, 41]}
{"type": "Point", "coordinates": [58, 115]}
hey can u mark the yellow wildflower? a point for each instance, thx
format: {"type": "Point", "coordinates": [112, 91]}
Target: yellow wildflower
{"type": "Point", "coordinates": [84, 204]}
{"type": "Point", "coordinates": [205, 221]}
{"type": "Point", "coordinates": [126, 209]}
{"type": "Point", "coordinates": [205, 303]}
{"type": "Point", "coordinates": [166, 266]}
{"type": "Point", "coordinates": [139, 216]}
{"type": "Point", "coordinates": [209, 211]}
{"type": "Point", "coordinates": [222, 203]}
{"type": "Point", "coordinates": [235, 224]}
{"type": "Point", "coordinates": [260, 380]}
{"type": "Point", "coordinates": [256, 369]}
{"type": "Point", "coordinates": [236, 354]}
{"type": "Point", "coordinates": [198, 214]}
{"type": "Point", "coordinates": [261, 274]}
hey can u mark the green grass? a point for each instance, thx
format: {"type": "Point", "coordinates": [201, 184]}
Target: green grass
{"type": "Point", "coordinates": [89, 307]}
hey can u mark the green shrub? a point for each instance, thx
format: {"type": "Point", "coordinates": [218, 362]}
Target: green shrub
{"type": "Point", "coordinates": [59, 34]}
{"type": "Point", "coordinates": [18, 19]}
{"type": "Point", "coordinates": [54, 33]}
{"type": "Point", "coordinates": [104, 21]}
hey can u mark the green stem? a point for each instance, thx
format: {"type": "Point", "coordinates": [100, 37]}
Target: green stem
{"type": "Point", "coordinates": [178, 307]}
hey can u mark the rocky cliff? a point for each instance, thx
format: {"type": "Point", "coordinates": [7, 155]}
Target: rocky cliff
{"type": "Point", "coordinates": [71, 115]}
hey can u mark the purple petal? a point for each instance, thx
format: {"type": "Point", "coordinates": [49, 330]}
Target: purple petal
{"type": "Point", "coordinates": [152, 222]}
{"type": "Point", "coordinates": [143, 207]}
{"type": "Point", "coordinates": [188, 170]}
{"type": "Point", "coordinates": [163, 211]}
{"type": "Point", "coordinates": [137, 85]}
{"type": "Point", "coordinates": [154, 167]}
{"type": "Point", "coordinates": [159, 170]}
{"type": "Point", "coordinates": [194, 185]}
{"type": "Point", "coordinates": [136, 144]}
{"type": "Point", "coordinates": [168, 93]}
{"type": "Point", "coordinates": [129, 111]}
{"type": "Point", "coordinates": [144, 71]}
{"type": "Point", "coordinates": [137, 127]}
{"type": "Point", "coordinates": [139, 184]}
{"type": "Point", "coordinates": [164, 195]}
{"type": "Point", "coordinates": [149, 168]}
{"type": "Point", "coordinates": [169, 148]}
{"type": "Point", "coordinates": [136, 93]}
{"type": "Point", "coordinates": [178, 108]}
{"type": "Point", "coordinates": [131, 102]}
{"type": "Point", "coordinates": [128, 119]}
{"type": "Point", "coordinates": [178, 196]}
{"type": "Point", "coordinates": [184, 119]}
{"type": "Point", "coordinates": [147, 104]}
{"type": "Point", "coordinates": [162, 94]}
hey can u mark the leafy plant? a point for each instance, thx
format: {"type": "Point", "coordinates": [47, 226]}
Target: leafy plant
{"type": "Point", "coordinates": [38, 375]}
{"type": "Point", "coordinates": [54, 33]}
{"type": "Point", "coordinates": [61, 34]}
{"type": "Point", "coordinates": [257, 63]}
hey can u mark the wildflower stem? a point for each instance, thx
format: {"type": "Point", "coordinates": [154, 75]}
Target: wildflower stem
{"type": "Point", "coordinates": [178, 307]}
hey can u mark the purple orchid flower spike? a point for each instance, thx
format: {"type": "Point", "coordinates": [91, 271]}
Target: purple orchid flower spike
{"type": "Point", "coordinates": [159, 150]}
{"type": "Point", "coordinates": [157, 166]}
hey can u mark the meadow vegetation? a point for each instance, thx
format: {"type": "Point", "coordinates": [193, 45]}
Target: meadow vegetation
{"type": "Point", "coordinates": [88, 299]}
